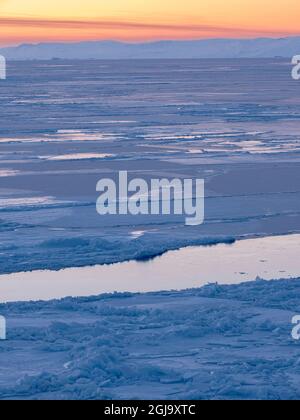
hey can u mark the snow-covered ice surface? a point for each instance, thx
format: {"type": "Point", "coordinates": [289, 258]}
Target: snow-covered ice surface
{"type": "Point", "coordinates": [218, 342]}
{"type": "Point", "coordinates": [65, 125]}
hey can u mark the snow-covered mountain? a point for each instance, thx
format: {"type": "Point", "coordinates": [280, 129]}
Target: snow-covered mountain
{"type": "Point", "coordinates": [212, 48]}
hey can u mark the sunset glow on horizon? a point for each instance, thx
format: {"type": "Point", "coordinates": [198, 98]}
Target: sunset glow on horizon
{"type": "Point", "coordinates": [132, 20]}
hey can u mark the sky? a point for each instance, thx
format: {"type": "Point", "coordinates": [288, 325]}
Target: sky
{"type": "Point", "coordinates": [35, 21]}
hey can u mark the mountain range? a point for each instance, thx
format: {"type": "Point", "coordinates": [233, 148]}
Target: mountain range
{"type": "Point", "coordinates": [211, 48]}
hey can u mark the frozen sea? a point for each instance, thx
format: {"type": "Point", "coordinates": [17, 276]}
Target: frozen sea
{"type": "Point", "coordinates": [266, 258]}
{"type": "Point", "coordinates": [65, 125]}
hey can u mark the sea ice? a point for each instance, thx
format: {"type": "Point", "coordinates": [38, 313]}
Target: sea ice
{"type": "Point", "coordinates": [218, 342]}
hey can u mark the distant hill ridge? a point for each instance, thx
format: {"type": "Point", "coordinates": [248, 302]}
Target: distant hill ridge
{"type": "Point", "coordinates": [211, 48]}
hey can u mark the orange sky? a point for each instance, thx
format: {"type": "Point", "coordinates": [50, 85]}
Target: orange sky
{"type": "Point", "coordinates": [140, 20]}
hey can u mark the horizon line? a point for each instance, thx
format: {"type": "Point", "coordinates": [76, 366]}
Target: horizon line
{"type": "Point", "coordinates": [125, 42]}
